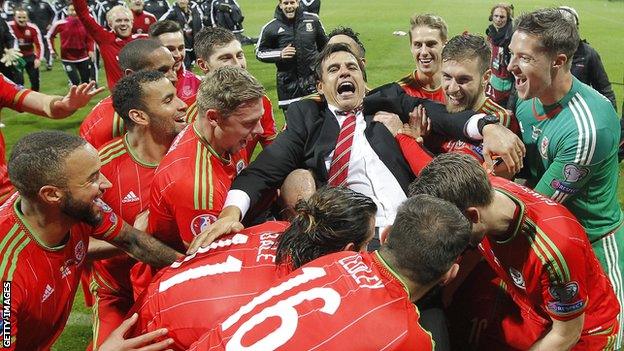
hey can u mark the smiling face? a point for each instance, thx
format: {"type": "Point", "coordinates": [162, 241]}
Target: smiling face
{"type": "Point", "coordinates": [499, 17]}
{"type": "Point", "coordinates": [84, 187]}
{"type": "Point", "coordinates": [530, 64]}
{"type": "Point", "coordinates": [463, 84]}
{"type": "Point", "coordinates": [167, 113]}
{"type": "Point", "coordinates": [174, 42]}
{"type": "Point", "coordinates": [289, 7]}
{"type": "Point", "coordinates": [426, 47]}
{"type": "Point", "coordinates": [230, 54]}
{"type": "Point", "coordinates": [233, 132]}
{"type": "Point", "coordinates": [162, 60]}
{"type": "Point", "coordinates": [136, 5]}
{"type": "Point", "coordinates": [120, 21]}
{"type": "Point", "coordinates": [21, 17]}
{"type": "Point", "coordinates": [342, 82]}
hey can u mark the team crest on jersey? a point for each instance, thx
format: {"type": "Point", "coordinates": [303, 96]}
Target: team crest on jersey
{"type": "Point", "coordinates": [517, 278]}
{"type": "Point", "coordinates": [201, 222]}
{"type": "Point", "coordinates": [27, 32]}
{"type": "Point", "coordinates": [573, 173]}
{"type": "Point", "coordinates": [543, 150]}
{"type": "Point", "coordinates": [240, 165]}
{"type": "Point", "coordinates": [309, 27]}
{"type": "Point", "coordinates": [147, 20]}
{"type": "Point", "coordinates": [79, 251]}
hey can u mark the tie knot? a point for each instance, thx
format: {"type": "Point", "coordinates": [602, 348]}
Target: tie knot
{"type": "Point", "coordinates": [349, 112]}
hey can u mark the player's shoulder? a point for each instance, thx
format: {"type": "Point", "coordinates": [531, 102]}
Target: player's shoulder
{"type": "Point", "coordinates": [589, 103]}
{"type": "Point", "coordinates": [311, 15]}
{"type": "Point", "coordinates": [112, 150]}
{"type": "Point", "coordinates": [407, 80]}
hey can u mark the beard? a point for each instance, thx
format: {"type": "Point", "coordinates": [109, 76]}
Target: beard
{"type": "Point", "coordinates": [81, 211]}
{"type": "Point", "coordinates": [468, 103]}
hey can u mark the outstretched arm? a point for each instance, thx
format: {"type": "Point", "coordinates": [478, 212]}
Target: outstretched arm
{"type": "Point", "coordinates": [144, 247]}
{"type": "Point", "coordinates": [55, 106]}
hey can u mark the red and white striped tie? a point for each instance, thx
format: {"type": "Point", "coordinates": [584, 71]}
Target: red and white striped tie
{"type": "Point", "coordinates": [339, 168]}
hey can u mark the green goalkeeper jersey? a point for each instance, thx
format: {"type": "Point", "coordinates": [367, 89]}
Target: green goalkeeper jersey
{"type": "Point", "coordinates": [572, 155]}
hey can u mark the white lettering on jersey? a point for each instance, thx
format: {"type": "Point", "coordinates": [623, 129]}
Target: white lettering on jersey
{"type": "Point", "coordinates": [237, 239]}
{"type": "Point", "coordinates": [360, 272]}
{"type": "Point", "coordinates": [230, 265]}
{"type": "Point", "coordinates": [267, 248]}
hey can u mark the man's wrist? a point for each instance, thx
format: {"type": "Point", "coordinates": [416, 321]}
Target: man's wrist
{"type": "Point", "coordinates": [471, 128]}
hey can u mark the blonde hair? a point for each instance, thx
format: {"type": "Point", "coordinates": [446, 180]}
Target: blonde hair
{"type": "Point", "coordinates": [226, 88]}
{"type": "Point", "coordinates": [114, 10]}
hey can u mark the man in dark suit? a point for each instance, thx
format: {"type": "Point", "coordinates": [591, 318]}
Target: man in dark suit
{"type": "Point", "coordinates": [375, 166]}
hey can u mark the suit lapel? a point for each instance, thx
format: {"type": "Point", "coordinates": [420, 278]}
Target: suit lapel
{"type": "Point", "coordinates": [326, 142]}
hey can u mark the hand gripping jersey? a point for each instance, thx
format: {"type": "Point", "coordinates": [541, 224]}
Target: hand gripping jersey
{"type": "Point", "coordinates": [189, 188]}
{"type": "Point", "coordinates": [192, 295]}
{"type": "Point", "coordinates": [412, 87]}
{"type": "Point", "coordinates": [342, 301]}
{"type": "Point", "coordinates": [267, 121]}
{"type": "Point", "coordinates": [102, 124]}
{"type": "Point", "coordinates": [11, 96]}
{"type": "Point", "coordinates": [39, 282]}
{"type": "Point", "coordinates": [128, 197]}
{"type": "Point", "coordinates": [549, 267]}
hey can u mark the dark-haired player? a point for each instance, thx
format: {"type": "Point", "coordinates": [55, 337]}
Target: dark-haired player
{"type": "Point", "coordinates": [191, 296]}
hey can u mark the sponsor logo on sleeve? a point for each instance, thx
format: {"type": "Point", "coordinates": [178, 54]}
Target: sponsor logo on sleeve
{"type": "Point", "coordinates": [564, 187]}
{"type": "Point", "coordinates": [201, 222]}
{"type": "Point", "coordinates": [565, 298]}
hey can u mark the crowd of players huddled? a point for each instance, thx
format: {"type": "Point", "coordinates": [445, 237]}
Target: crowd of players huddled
{"type": "Point", "coordinates": [470, 205]}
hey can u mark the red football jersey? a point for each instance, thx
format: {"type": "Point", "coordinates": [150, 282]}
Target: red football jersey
{"type": "Point", "coordinates": [342, 301]}
{"type": "Point", "coordinates": [189, 188]}
{"type": "Point", "coordinates": [187, 86]}
{"type": "Point", "coordinates": [218, 279]}
{"type": "Point", "coordinates": [66, 28]}
{"type": "Point", "coordinates": [39, 282]}
{"type": "Point", "coordinates": [108, 42]}
{"type": "Point", "coordinates": [11, 96]}
{"type": "Point", "coordinates": [142, 21]}
{"type": "Point", "coordinates": [267, 121]}
{"type": "Point", "coordinates": [412, 87]}
{"type": "Point", "coordinates": [548, 264]}
{"type": "Point", "coordinates": [129, 196]}
{"type": "Point", "coordinates": [102, 124]}
{"type": "Point", "coordinates": [29, 39]}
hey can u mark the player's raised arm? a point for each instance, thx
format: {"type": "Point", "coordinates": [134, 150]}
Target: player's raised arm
{"type": "Point", "coordinates": [55, 106]}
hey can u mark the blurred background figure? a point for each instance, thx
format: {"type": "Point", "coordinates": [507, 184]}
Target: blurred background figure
{"type": "Point", "coordinates": [499, 36]}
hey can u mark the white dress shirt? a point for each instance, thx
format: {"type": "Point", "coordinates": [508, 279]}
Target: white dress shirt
{"type": "Point", "coordinates": [368, 175]}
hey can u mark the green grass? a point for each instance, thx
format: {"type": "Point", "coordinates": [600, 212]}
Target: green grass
{"type": "Point", "coordinates": [388, 58]}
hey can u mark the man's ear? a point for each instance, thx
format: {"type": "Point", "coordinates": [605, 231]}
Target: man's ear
{"type": "Point", "coordinates": [560, 61]}
{"type": "Point", "coordinates": [203, 65]}
{"type": "Point", "coordinates": [213, 116]}
{"type": "Point", "coordinates": [139, 117]}
{"type": "Point", "coordinates": [450, 274]}
{"type": "Point", "coordinates": [384, 234]}
{"type": "Point", "coordinates": [349, 247]}
{"type": "Point", "coordinates": [472, 214]}
{"type": "Point", "coordinates": [51, 195]}
{"type": "Point", "coordinates": [128, 72]}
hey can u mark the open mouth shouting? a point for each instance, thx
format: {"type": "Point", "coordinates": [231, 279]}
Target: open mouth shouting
{"type": "Point", "coordinates": [346, 90]}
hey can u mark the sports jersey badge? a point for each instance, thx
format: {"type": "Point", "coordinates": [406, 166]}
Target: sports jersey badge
{"type": "Point", "coordinates": [240, 165]}
{"type": "Point", "coordinates": [517, 278]}
{"type": "Point", "coordinates": [79, 251]}
{"type": "Point", "coordinates": [543, 150]}
{"type": "Point", "coordinates": [201, 222]}
{"type": "Point", "coordinates": [27, 32]}
{"type": "Point", "coordinates": [564, 295]}
{"type": "Point", "coordinates": [309, 27]}
{"type": "Point", "coordinates": [574, 173]}
{"type": "Point", "coordinates": [147, 21]}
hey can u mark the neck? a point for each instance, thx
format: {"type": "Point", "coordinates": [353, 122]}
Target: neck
{"type": "Point", "coordinates": [415, 290]}
{"type": "Point", "coordinates": [208, 134]}
{"type": "Point", "coordinates": [498, 217]}
{"type": "Point", "coordinates": [430, 82]}
{"type": "Point", "coordinates": [559, 87]}
{"type": "Point", "coordinates": [479, 102]}
{"type": "Point", "coordinates": [149, 148]}
{"type": "Point", "coordinates": [50, 227]}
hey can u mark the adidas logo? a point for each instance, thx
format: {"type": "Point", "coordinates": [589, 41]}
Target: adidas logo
{"type": "Point", "coordinates": [130, 197]}
{"type": "Point", "coordinates": [48, 291]}
{"type": "Point", "coordinates": [280, 30]}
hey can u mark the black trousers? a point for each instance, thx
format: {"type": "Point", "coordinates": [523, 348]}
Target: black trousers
{"type": "Point", "coordinates": [78, 72]}
{"type": "Point", "coordinates": [33, 73]}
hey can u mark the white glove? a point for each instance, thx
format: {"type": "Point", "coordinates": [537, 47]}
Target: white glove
{"type": "Point", "coordinates": [10, 57]}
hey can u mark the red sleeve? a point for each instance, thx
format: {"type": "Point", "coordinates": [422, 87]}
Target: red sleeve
{"type": "Point", "coordinates": [110, 226]}
{"type": "Point", "coordinates": [414, 154]}
{"type": "Point", "coordinates": [268, 123]}
{"type": "Point", "coordinates": [52, 33]}
{"type": "Point", "coordinates": [94, 30]}
{"type": "Point", "coordinates": [11, 95]}
{"type": "Point", "coordinates": [38, 42]}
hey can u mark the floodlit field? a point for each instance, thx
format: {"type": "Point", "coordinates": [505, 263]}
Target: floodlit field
{"type": "Point", "coordinates": [388, 59]}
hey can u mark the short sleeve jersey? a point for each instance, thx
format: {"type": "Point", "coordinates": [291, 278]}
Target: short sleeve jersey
{"type": "Point", "coordinates": [128, 196]}
{"type": "Point", "coordinates": [189, 188]}
{"type": "Point", "coordinates": [39, 282]}
{"type": "Point", "coordinates": [412, 87]}
{"type": "Point", "coordinates": [342, 301]}
{"type": "Point", "coordinates": [548, 264]}
{"type": "Point", "coordinates": [572, 155]}
{"type": "Point", "coordinates": [488, 107]}
{"type": "Point", "coordinates": [267, 121]}
{"type": "Point", "coordinates": [11, 96]}
{"type": "Point", "coordinates": [217, 279]}
{"type": "Point", "coordinates": [102, 124]}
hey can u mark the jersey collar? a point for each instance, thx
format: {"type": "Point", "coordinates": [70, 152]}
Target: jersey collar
{"type": "Point", "coordinates": [518, 219]}
{"type": "Point", "coordinates": [206, 144]}
{"type": "Point", "coordinates": [550, 111]}
{"type": "Point", "coordinates": [386, 270]}
{"type": "Point", "coordinates": [134, 156]}
{"type": "Point", "coordinates": [29, 230]}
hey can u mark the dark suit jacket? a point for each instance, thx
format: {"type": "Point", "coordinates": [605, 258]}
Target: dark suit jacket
{"type": "Point", "coordinates": [312, 131]}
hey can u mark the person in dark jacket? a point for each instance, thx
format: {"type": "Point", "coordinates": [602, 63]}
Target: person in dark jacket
{"type": "Point", "coordinates": [190, 18]}
{"type": "Point", "coordinates": [499, 36]}
{"type": "Point", "coordinates": [42, 14]}
{"type": "Point", "coordinates": [313, 6]}
{"type": "Point", "coordinates": [291, 40]}
{"type": "Point", "coordinates": [156, 7]}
